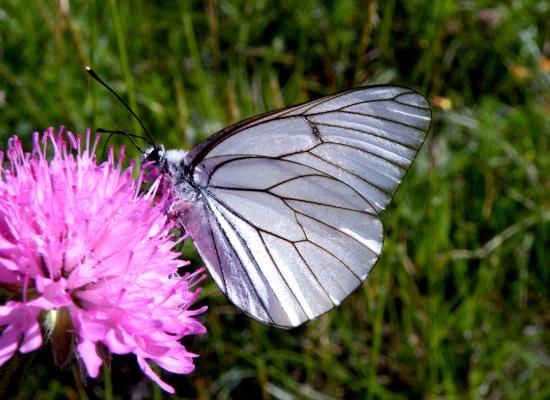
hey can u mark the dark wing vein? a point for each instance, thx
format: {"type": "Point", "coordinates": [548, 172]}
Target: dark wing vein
{"type": "Point", "coordinates": [339, 231]}
{"type": "Point", "coordinates": [394, 99]}
{"type": "Point", "coordinates": [240, 216]}
{"type": "Point", "coordinates": [367, 133]}
{"type": "Point", "coordinates": [242, 264]}
{"type": "Point", "coordinates": [321, 174]}
{"type": "Point", "coordinates": [353, 174]}
{"type": "Point", "coordinates": [210, 216]}
{"type": "Point", "coordinates": [367, 115]}
{"type": "Point", "coordinates": [367, 152]}
{"type": "Point", "coordinates": [287, 198]}
{"type": "Point", "coordinates": [282, 275]}
{"type": "Point", "coordinates": [334, 178]}
{"type": "Point", "coordinates": [260, 230]}
{"type": "Point", "coordinates": [337, 259]}
{"type": "Point", "coordinates": [313, 273]}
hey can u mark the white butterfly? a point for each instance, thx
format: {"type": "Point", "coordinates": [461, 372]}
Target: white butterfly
{"type": "Point", "coordinates": [284, 207]}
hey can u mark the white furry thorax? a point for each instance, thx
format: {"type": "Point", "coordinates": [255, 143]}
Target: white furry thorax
{"type": "Point", "coordinates": [175, 157]}
{"type": "Point", "coordinates": [183, 192]}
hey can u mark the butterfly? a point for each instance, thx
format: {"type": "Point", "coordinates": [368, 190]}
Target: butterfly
{"type": "Point", "coordinates": [284, 208]}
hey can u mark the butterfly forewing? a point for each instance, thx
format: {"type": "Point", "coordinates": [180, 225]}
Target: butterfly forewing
{"type": "Point", "coordinates": [287, 217]}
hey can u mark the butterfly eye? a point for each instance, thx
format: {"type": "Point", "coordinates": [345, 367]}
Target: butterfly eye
{"type": "Point", "coordinates": [153, 155]}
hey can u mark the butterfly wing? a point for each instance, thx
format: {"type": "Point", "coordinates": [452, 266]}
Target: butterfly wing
{"type": "Point", "coordinates": [287, 218]}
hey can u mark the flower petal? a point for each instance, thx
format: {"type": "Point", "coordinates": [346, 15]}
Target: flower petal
{"type": "Point", "coordinates": [88, 354]}
{"type": "Point", "coordinates": [8, 344]}
{"type": "Point", "coordinates": [147, 370]}
{"type": "Point", "coordinates": [180, 362]}
{"type": "Point", "coordinates": [32, 339]}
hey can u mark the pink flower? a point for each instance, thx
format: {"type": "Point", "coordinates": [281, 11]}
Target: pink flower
{"type": "Point", "coordinates": [83, 250]}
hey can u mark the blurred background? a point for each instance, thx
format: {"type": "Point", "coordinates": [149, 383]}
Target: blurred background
{"type": "Point", "coordinates": [457, 307]}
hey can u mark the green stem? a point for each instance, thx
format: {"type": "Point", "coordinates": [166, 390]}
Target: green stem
{"type": "Point", "coordinates": [108, 383]}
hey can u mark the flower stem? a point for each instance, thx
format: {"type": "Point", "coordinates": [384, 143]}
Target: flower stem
{"type": "Point", "coordinates": [108, 383]}
{"type": "Point", "coordinates": [78, 382]}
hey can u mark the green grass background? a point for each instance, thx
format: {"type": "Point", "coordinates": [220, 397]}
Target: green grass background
{"type": "Point", "coordinates": [457, 307]}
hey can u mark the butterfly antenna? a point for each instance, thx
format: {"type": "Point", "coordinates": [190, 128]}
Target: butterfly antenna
{"type": "Point", "coordinates": [93, 74]}
{"type": "Point", "coordinates": [118, 132]}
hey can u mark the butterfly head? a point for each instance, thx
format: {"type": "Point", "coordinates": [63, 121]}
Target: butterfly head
{"type": "Point", "coordinates": [170, 163]}
{"type": "Point", "coordinates": [154, 157]}
{"type": "Point", "coordinates": [174, 174]}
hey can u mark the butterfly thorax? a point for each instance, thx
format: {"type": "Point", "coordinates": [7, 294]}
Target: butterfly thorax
{"type": "Point", "coordinates": [180, 173]}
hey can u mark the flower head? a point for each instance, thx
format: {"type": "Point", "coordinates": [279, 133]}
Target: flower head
{"type": "Point", "coordinates": [82, 249]}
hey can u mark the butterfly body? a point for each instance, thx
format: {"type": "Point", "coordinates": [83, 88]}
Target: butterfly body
{"type": "Point", "coordinates": [284, 207]}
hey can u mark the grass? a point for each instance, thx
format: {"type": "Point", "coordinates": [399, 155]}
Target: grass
{"type": "Point", "coordinates": [458, 305]}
